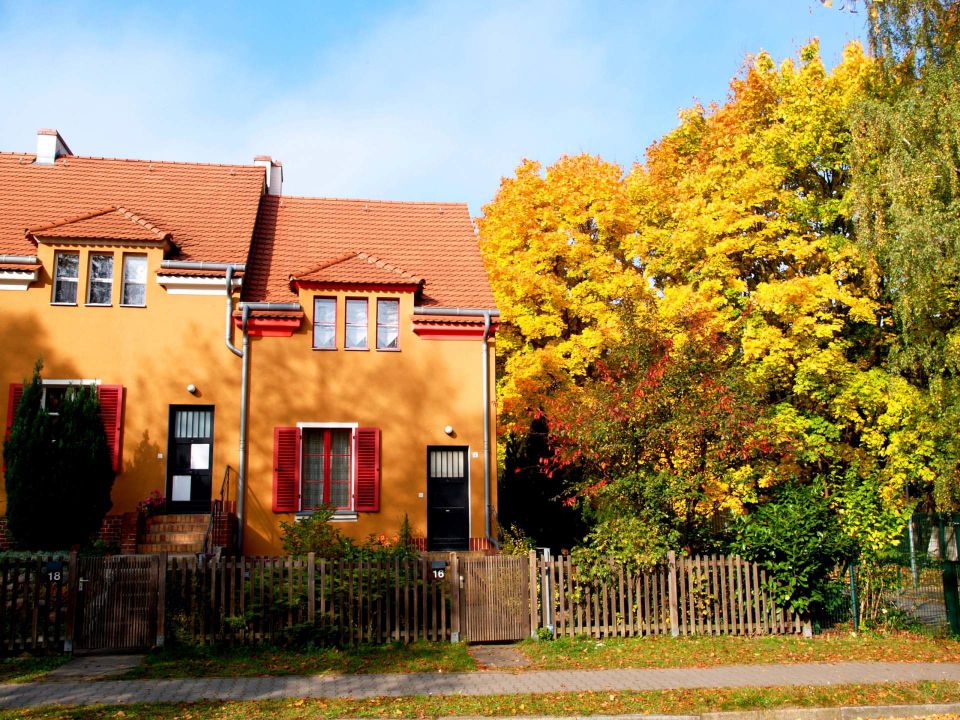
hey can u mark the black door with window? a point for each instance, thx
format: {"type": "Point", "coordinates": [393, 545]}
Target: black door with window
{"type": "Point", "coordinates": [190, 459]}
{"type": "Point", "coordinates": [448, 518]}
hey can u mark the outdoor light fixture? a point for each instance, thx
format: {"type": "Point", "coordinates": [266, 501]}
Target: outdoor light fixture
{"type": "Point", "coordinates": [448, 429]}
{"type": "Point", "coordinates": [192, 389]}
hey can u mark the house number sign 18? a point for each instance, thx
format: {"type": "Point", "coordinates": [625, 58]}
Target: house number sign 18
{"type": "Point", "coordinates": [55, 571]}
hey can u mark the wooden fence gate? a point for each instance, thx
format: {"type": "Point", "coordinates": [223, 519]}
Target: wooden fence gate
{"type": "Point", "coordinates": [117, 602]}
{"type": "Point", "coordinates": [495, 598]}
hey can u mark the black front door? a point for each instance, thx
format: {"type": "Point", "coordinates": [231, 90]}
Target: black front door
{"type": "Point", "coordinates": [448, 519]}
{"type": "Point", "coordinates": [190, 459]}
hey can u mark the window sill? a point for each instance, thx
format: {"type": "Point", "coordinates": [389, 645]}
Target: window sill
{"type": "Point", "coordinates": [388, 349]}
{"type": "Point", "coordinates": [99, 305]}
{"type": "Point", "coordinates": [328, 349]}
{"type": "Point", "coordinates": [133, 306]}
{"type": "Point", "coordinates": [357, 349]}
{"type": "Point", "coordinates": [64, 304]}
{"type": "Point", "coordinates": [339, 516]}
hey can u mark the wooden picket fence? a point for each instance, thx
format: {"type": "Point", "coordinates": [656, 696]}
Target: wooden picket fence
{"type": "Point", "coordinates": [44, 606]}
{"type": "Point", "coordinates": [34, 604]}
{"type": "Point", "coordinates": [712, 595]}
{"type": "Point", "coordinates": [268, 599]}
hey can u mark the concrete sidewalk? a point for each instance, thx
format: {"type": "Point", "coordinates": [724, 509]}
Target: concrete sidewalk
{"type": "Point", "coordinates": [471, 683]}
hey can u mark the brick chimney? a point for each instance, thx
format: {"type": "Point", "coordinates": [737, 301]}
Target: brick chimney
{"type": "Point", "coordinates": [274, 173]}
{"type": "Point", "coordinates": [50, 146]}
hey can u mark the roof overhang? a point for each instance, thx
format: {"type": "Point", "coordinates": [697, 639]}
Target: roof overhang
{"type": "Point", "coordinates": [16, 276]}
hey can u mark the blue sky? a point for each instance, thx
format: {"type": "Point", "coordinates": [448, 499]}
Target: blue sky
{"type": "Point", "coordinates": [393, 100]}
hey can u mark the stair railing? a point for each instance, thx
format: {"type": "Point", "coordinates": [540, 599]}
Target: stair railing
{"type": "Point", "coordinates": [217, 511]}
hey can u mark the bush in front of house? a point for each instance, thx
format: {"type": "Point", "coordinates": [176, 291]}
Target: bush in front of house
{"type": "Point", "coordinates": [59, 472]}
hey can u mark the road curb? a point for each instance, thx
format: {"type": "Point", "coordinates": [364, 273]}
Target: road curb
{"type": "Point", "coordinates": [834, 713]}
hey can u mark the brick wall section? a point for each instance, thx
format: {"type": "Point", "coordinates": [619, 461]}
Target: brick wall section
{"type": "Point", "coordinates": [129, 532]}
{"type": "Point", "coordinates": [6, 542]}
{"type": "Point", "coordinates": [225, 527]}
{"type": "Point", "coordinates": [110, 531]}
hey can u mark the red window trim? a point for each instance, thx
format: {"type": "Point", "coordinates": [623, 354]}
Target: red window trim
{"type": "Point", "coordinates": [366, 303]}
{"type": "Point", "coordinates": [313, 326]}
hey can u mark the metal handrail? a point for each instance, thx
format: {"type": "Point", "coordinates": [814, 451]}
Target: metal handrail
{"type": "Point", "coordinates": [216, 509]}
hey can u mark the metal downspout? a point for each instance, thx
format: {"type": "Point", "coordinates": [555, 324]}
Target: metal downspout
{"type": "Point", "coordinates": [229, 335]}
{"type": "Point", "coordinates": [486, 430]}
{"type": "Point", "coordinates": [242, 469]}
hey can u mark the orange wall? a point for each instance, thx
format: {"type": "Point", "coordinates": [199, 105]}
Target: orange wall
{"type": "Point", "coordinates": [156, 351]}
{"type": "Point", "coordinates": [411, 395]}
{"type": "Point", "coordinates": [153, 351]}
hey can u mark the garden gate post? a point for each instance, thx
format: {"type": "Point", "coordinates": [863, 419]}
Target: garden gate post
{"type": "Point", "coordinates": [534, 610]}
{"type": "Point", "coordinates": [951, 597]}
{"type": "Point", "coordinates": [311, 587]}
{"type": "Point", "coordinates": [161, 599]}
{"type": "Point", "coordinates": [672, 591]}
{"type": "Point", "coordinates": [454, 581]}
{"type": "Point", "coordinates": [73, 578]}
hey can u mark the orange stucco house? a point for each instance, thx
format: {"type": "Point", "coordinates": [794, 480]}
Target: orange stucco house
{"type": "Point", "coordinates": [257, 355]}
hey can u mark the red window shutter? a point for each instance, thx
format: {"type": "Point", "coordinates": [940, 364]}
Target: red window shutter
{"type": "Point", "coordinates": [13, 399]}
{"type": "Point", "coordinates": [286, 469]}
{"type": "Point", "coordinates": [111, 413]}
{"type": "Point", "coordinates": [368, 469]}
{"type": "Point", "coordinates": [16, 392]}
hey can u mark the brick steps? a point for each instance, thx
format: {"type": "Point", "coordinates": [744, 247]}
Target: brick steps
{"type": "Point", "coordinates": [176, 534]}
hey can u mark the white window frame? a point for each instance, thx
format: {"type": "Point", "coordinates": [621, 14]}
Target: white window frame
{"type": "Point", "coordinates": [91, 279]}
{"type": "Point", "coordinates": [124, 283]}
{"type": "Point", "coordinates": [349, 515]}
{"type": "Point", "coordinates": [57, 279]}
{"type": "Point", "coordinates": [61, 384]}
{"type": "Point", "coordinates": [347, 325]}
{"type": "Point", "coordinates": [378, 325]}
{"type": "Point", "coordinates": [313, 339]}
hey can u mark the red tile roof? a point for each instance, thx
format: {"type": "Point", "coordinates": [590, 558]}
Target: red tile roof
{"type": "Point", "coordinates": [433, 241]}
{"type": "Point", "coordinates": [356, 268]}
{"type": "Point", "coordinates": [209, 210]}
{"type": "Point", "coordinates": [114, 223]}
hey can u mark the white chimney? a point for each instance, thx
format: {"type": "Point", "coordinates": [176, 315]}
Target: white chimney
{"type": "Point", "coordinates": [50, 146]}
{"type": "Point", "coordinates": [274, 173]}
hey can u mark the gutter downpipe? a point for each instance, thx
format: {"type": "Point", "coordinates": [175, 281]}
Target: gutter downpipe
{"type": "Point", "coordinates": [244, 384]}
{"type": "Point", "coordinates": [486, 314]}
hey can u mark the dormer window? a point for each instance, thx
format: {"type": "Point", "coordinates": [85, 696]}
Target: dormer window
{"type": "Point", "coordinates": [134, 280]}
{"type": "Point", "coordinates": [388, 324]}
{"type": "Point", "coordinates": [100, 280]}
{"type": "Point", "coordinates": [66, 274]}
{"type": "Point", "coordinates": [356, 326]}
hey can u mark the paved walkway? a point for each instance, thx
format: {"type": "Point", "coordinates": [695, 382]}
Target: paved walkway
{"type": "Point", "coordinates": [471, 683]}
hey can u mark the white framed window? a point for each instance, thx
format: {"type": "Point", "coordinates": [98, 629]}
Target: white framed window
{"type": "Point", "coordinates": [134, 290]}
{"type": "Point", "coordinates": [66, 274]}
{"type": "Point", "coordinates": [355, 333]}
{"type": "Point", "coordinates": [388, 324]}
{"type": "Point", "coordinates": [55, 391]}
{"type": "Point", "coordinates": [326, 477]}
{"type": "Point", "coordinates": [100, 280]}
{"type": "Point", "coordinates": [325, 323]}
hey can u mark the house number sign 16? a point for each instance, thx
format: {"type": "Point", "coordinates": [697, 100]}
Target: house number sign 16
{"type": "Point", "coordinates": [439, 569]}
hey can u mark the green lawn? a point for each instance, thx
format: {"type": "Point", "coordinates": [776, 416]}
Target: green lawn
{"type": "Point", "coordinates": [708, 651]}
{"type": "Point", "coordinates": [27, 668]}
{"type": "Point", "coordinates": [253, 661]}
{"type": "Point", "coordinates": [586, 703]}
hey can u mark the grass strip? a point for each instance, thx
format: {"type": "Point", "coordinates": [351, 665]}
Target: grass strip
{"type": "Point", "coordinates": [709, 651]}
{"type": "Point", "coordinates": [549, 704]}
{"type": "Point", "coordinates": [27, 668]}
{"type": "Point", "coordinates": [261, 661]}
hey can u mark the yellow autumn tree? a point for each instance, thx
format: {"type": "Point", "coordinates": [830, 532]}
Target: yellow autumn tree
{"type": "Point", "coordinates": [557, 244]}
